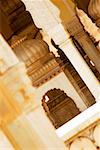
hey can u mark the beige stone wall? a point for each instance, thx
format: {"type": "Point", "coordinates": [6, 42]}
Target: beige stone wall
{"type": "Point", "coordinates": [4, 142]}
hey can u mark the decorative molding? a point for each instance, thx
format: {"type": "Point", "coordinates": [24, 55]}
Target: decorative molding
{"type": "Point", "coordinates": [88, 25]}
{"type": "Point", "coordinates": [87, 137]}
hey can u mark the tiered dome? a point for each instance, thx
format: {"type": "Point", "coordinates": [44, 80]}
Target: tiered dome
{"type": "Point", "coordinates": [31, 49]}
{"type": "Point", "coordinates": [94, 9]}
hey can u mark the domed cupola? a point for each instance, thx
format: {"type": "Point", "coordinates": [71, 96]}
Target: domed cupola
{"type": "Point", "coordinates": [94, 10]}
{"type": "Point", "coordinates": [40, 62]}
{"type": "Point", "coordinates": [31, 49]}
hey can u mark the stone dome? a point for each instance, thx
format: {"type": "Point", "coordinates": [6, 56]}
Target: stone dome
{"type": "Point", "coordinates": [94, 9]}
{"type": "Point", "coordinates": [32, 49]}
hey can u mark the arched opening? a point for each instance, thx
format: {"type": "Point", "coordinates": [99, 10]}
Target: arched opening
{"type": "Point", "coordinates": [59, 107]}
{"type": "Point", "coordinates": [17, 21]}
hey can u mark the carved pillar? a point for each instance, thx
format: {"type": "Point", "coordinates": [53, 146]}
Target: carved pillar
{"type": "Point", "coordinates": [75, 29]}
{"type": "Point", "coordinates": [50, 23]}
{"type": "Point", "coordinates": [22, 119]}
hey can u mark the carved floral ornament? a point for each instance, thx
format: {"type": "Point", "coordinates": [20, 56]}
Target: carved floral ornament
{"type": "Point", "coordinates": [88, 140]}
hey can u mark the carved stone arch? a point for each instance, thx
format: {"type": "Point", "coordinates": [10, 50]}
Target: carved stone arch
{"type": "Point", "coordinates": [59, 107]}
{"type": "Point", "coordinates": [17, 20]}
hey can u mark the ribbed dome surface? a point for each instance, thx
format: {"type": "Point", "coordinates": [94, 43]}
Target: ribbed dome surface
{"type": "Point", "coordinates": [94, 9]}
{"type": "Point", "coordinates": [31, 49]}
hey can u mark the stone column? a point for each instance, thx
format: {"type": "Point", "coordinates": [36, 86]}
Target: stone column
{"type": "Point", "coordinates": [76, 29]}
{"type": "Point", "coordinates": [48, 20]}
{"type": "Point", "coordinates": [17, 104]}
